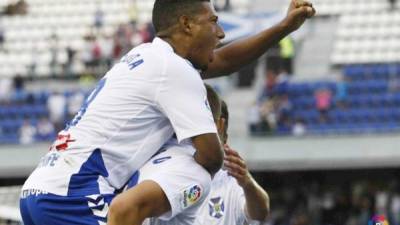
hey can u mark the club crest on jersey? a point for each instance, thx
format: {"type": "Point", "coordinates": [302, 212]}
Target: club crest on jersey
{"type": "Point", "coordinates": [191, 195]}
{"type": "Point", "coordinates": [216, 207]}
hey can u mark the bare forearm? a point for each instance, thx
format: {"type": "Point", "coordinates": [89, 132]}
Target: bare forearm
{"type": "Point", "coordinates": [239, 53]}
{"type": "Point", "coordinates": [257, 201]}
{"type": "Point", "coordinates": [209, 152]}
{"type": "Point", "coordinates": [235, 55]}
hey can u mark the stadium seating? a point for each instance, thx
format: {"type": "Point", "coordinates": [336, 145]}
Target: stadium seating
{"type": "Point", "coordinates": [338, 7]}
{"type": "Point", "coordinates": [371, 107]}
{"type": "Point", "coordinates": [370, 37]}
{"type": "Point", "coordinates": [28, 36]}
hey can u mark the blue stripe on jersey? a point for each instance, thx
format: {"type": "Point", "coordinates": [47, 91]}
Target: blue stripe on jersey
{"type": "Point", "coordinates": [133, 180]}
{"type": "Point", "coordinates": [85, 182]}
{"type": "Point", "coordinates": [49, 209]}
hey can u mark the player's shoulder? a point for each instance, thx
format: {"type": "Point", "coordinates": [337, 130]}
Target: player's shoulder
{"type": "Point", "coordinates": [182, 68]}
{"type": "Point", "coordinates": [148, 53]}
{"type": "Point", "coordinates": [223, 178]}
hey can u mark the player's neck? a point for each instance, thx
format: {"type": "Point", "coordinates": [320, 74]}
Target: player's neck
{"type": "Point", "coordinates": [180, 46]}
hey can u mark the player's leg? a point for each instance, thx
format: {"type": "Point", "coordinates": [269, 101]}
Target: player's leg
{"type": "Point", "coordinates": [133, 206]}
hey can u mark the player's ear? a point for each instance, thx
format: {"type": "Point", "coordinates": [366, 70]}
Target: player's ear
{"type": "Point", "coordinates": [186, 24]}
{"type": "Point", "coordinates": [221, 128]}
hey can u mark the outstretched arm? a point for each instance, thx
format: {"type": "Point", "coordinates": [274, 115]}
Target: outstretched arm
{"type": "Point", "coordinates": [257, 200]}
{"type": "Point", "coordinates": [237, 54]}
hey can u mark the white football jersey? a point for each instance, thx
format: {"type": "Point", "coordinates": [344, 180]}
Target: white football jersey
{"type": "Point", "coordinates": [185, 183]}
{"type": "Point", "coordinates": [139, 104]}
{"type": "Point", "coordinates": [225, 204]}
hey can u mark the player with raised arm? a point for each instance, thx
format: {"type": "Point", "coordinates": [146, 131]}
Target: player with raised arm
{"type": "Point", "coordinates": [136, 108]}
{"type": "Point", "coordinates": [152, 93]}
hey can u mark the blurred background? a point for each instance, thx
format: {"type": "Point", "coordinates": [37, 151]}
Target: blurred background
{"type": "Point", "coordinates": [317, 117]}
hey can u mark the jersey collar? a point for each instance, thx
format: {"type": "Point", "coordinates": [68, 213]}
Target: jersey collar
{"type": "Point", "coordinates": [162, 44]}
{"type": "Point", "coordinates": [165, 45]}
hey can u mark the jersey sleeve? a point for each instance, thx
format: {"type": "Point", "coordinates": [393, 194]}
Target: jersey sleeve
{"type": "Point", "coordinates": [182, 97]}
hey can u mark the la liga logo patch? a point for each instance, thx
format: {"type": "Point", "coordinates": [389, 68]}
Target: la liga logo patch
{"type": "Point", "coordinates": [378, 220]}
{"type": "Point", "coordinates": [191, 195]}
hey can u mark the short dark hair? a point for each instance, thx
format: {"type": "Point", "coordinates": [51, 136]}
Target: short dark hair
{"type": "Point", "coordinates": [225, 113]}
{"type": "Point", "coordinates": [214, 101]}
{"type": "Point", "coordinates": [167, 12]}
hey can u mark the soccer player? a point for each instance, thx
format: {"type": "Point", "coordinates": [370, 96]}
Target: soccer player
{"type": "Point", "coordinates": [171, 186]}
{"type": "Point", "coordinates": [153, 92]}
{"type": "Point", "coordinates": [235, 197]}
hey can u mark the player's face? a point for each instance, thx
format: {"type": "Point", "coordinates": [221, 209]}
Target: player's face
{"type": "Point", "coordinates": [206, 35]}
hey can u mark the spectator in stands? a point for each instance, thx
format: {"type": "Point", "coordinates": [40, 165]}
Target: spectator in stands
{"type": "Point", "coordinates": [74, 103]}
{"type": "Point", "coordinates": [270, 84]}
{"type": "Point", "coordinates": [68, 66]}
{"type": "Point", "coordinates": [299, 128]}
{"type": "Point", "coordinates": [392, 4]}
{"type": "Point", "coordinates": [87, 56]}
{"type": "Point", "coordinates": [284, 112]}
{"type": "Point", "coordinates": [282, 83]}
{"type": "Point", "coordinates": [54, 48]}
{"type": "Point", "coordinates": [27, 133]}
{"type": "Point", "coordinates": [269, 117]}
{"type": "Point", "coordinates": [341, 92]}
{"type": "Point", "coordinates": [287, 52]}
{"type": "Point", "coordinates": [254, 119]}
{"type": "Point", "coordinates": [133, 12]}
{"type": "Point", "coordinates": [45, 130]}
{"type": "Point", "coordinates": [123, 40]}
{"type": "Point", "coordinates": [19, 8]}
{"type": "Point", "coordinates": [394, 83]}
{"type": "Point", "coordinates": [273, 59]}
{"type": "Point", "coordinates": [56, 105]}
{"type": "Point", "coordinates": [99, 19]}
{"type": "Point", "coordinates": [2, 36]}
{"type": "Point", "coordinates": [106, 44]}
{"type": "Point", "coordinates": [96, 52]}
{"type": "Point", "coordinates": [19, 89]}
{"type": "Point", "coordinates": [323, 100]}
{"type": "Point", "coordinates": [34, 62]}
{"type": "Point", "coordinates": [6, 90]}
{"type": "Point", "coordinates": [394, 208]}
{"type": "Point", "coordinates": [92, 54]}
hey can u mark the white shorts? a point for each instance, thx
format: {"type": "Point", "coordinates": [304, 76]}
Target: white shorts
{"type": "Point", "coordinates": [185, 183]}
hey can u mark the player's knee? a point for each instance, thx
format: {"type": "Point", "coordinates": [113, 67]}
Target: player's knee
{"type": "Point", "coordinates": [120, 210]}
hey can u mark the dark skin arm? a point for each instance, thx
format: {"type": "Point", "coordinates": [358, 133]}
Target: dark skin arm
{"type": "Point", "coordinates": [133, 206]}
{"type": "Point", "coordinates": [209, 152]}
{"type": "Point", "coordinates": [237, 54]}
